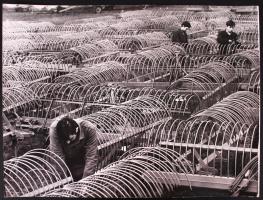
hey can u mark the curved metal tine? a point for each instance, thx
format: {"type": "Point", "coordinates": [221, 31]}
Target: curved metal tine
{"type": "Point", "coordinates": [105, 179]}
{"type": "Point", "coordinates": [154, 141]}
{"type": "Point", "coordinates": [87, 190]}
{"type": "Point", "coordinates": [46, 175]}
{"type": "Point", "coordinates": [151, 192]}
{"type": "Point", "coordinates": [14, 192]}
{"type": "Point", "coordinates": [144, 164]}
{"type": "Point", "coordinates": [108, 191]}
{"type": "Point", "coordinates": [23, 172]}
{"type": "Point", "coordinates": [155, 168]}
{"type": "Point", "coordinates": [23, 160]}
{"type": "Point", "coordinates": [157, 150]}
{"type": "Point", "coordinates": [64, 192]}
{"type": "Point", "coordinates": [54, 157]}
{"type": "Point", "coordinates": [182, 165]}
{"type": "Point", "coordinates": [131, 176]}
{"type": "Point", "coordinates": [121, 178]}
{"type": "Point", "coordinates": [14, 171]}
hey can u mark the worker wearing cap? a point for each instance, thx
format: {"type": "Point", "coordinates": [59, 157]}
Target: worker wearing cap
{"type": "Point", "coordinates": [227, 39]}
{"type": "Point", "coordinates": [180, 35]}
{"type": "Point", "coordinates": [75, 141]}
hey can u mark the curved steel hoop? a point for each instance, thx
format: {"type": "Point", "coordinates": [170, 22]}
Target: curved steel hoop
{"type": "Point", "coordinates": [34, 173]}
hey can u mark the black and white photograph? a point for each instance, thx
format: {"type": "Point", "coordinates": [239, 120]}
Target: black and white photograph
{"type": "Point", "coordinates": [130, 101]}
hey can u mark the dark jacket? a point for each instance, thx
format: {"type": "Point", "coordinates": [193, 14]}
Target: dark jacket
{"type": "Point", "coordinates": [225, 46]}
{"type": "Point", "coordinates": [179, 36]}
{"type": "Point", "coordinates": [223, 37]}
{"type": "Point", "coordinates": [80, 156]}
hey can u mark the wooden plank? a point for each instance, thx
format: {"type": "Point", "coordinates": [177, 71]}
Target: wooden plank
{"type": "Point", "coordinates": [206, 160]}
{"type": "Point", "coordinates": [201, 164]}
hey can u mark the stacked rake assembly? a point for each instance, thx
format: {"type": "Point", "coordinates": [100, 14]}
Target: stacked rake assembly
{"type": "Point", "coordinates": [169, 117]}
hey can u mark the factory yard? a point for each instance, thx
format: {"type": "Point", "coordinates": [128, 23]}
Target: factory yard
{"type": "Point", "coordinates": [172, 119]}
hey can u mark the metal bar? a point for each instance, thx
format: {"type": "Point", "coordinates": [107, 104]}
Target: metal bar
{"type": "Point", "coordinates": [105, 104]}
{"type": "Point", "coordinates": [44, 124]}
{"type": "Point", "coordinates": [212, 147]}
{"type": "Point", "coordinates": [29, 82]}
{"type": "Point", "coordinates": [40, 79]}
{"type": "Point", "coordinates": [159, 85]}
{"type": "Point", "coordinates": [16, 105]}
{"type": "Point", "coordinates": [80, 103]}
{"type": "Point", "coordinates": [157, 78]}
{"type": "Point", "coordinates": [41, 51]}
{"type": "Point", "coordinates": [164, 85]}
{"type": "Point", "coordinates": [101, 56]}
{"type": "Point", "coordinates": [132, 134]}
{"type": "Point", "coordinates": [48, 187]}
{"type": "Point", "coordinates": [140, 77]}
{"type": "Point", "coordinates": [203, 181]}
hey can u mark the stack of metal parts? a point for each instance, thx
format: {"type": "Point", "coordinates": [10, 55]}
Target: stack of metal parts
{"type": "Point", "coordinates": [34, 173]}
{"type": "Point", "coordinates": [129, 177]}
{"type": "Point", "coordinates": [220, 142]}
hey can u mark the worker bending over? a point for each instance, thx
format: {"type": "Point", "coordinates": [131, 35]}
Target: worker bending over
{"type": "Point", "coordinates": [75, 141]}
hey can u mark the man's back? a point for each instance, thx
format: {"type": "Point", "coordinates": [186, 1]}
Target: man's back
{"type": "Point", "coordinates": [80, 154]}
{"type": "Point", "coordinates": [179, 36]}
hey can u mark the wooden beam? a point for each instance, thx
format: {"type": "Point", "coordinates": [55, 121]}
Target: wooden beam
{"type": "Point", "coordinates": [196, 180]}
{"type": "Point", "coordinates": [7, 122]}
{"type": "Point", "coordinates": [211, 147]}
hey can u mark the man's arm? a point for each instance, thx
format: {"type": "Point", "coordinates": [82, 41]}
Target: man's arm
{"type": "Point", "coordinates": [175, 36]}
{"type": "Point", "coordinates": [235, 38]}
{"type": "Point", "coordinates": [221, 38]}
{"type": "Point", "coordinates": [55, 146]}
{"type": "Point", "coordinates": [91, 147]}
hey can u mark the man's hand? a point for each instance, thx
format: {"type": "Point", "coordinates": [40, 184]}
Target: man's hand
{"type": "Point", "coordinates": [230, 41]}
